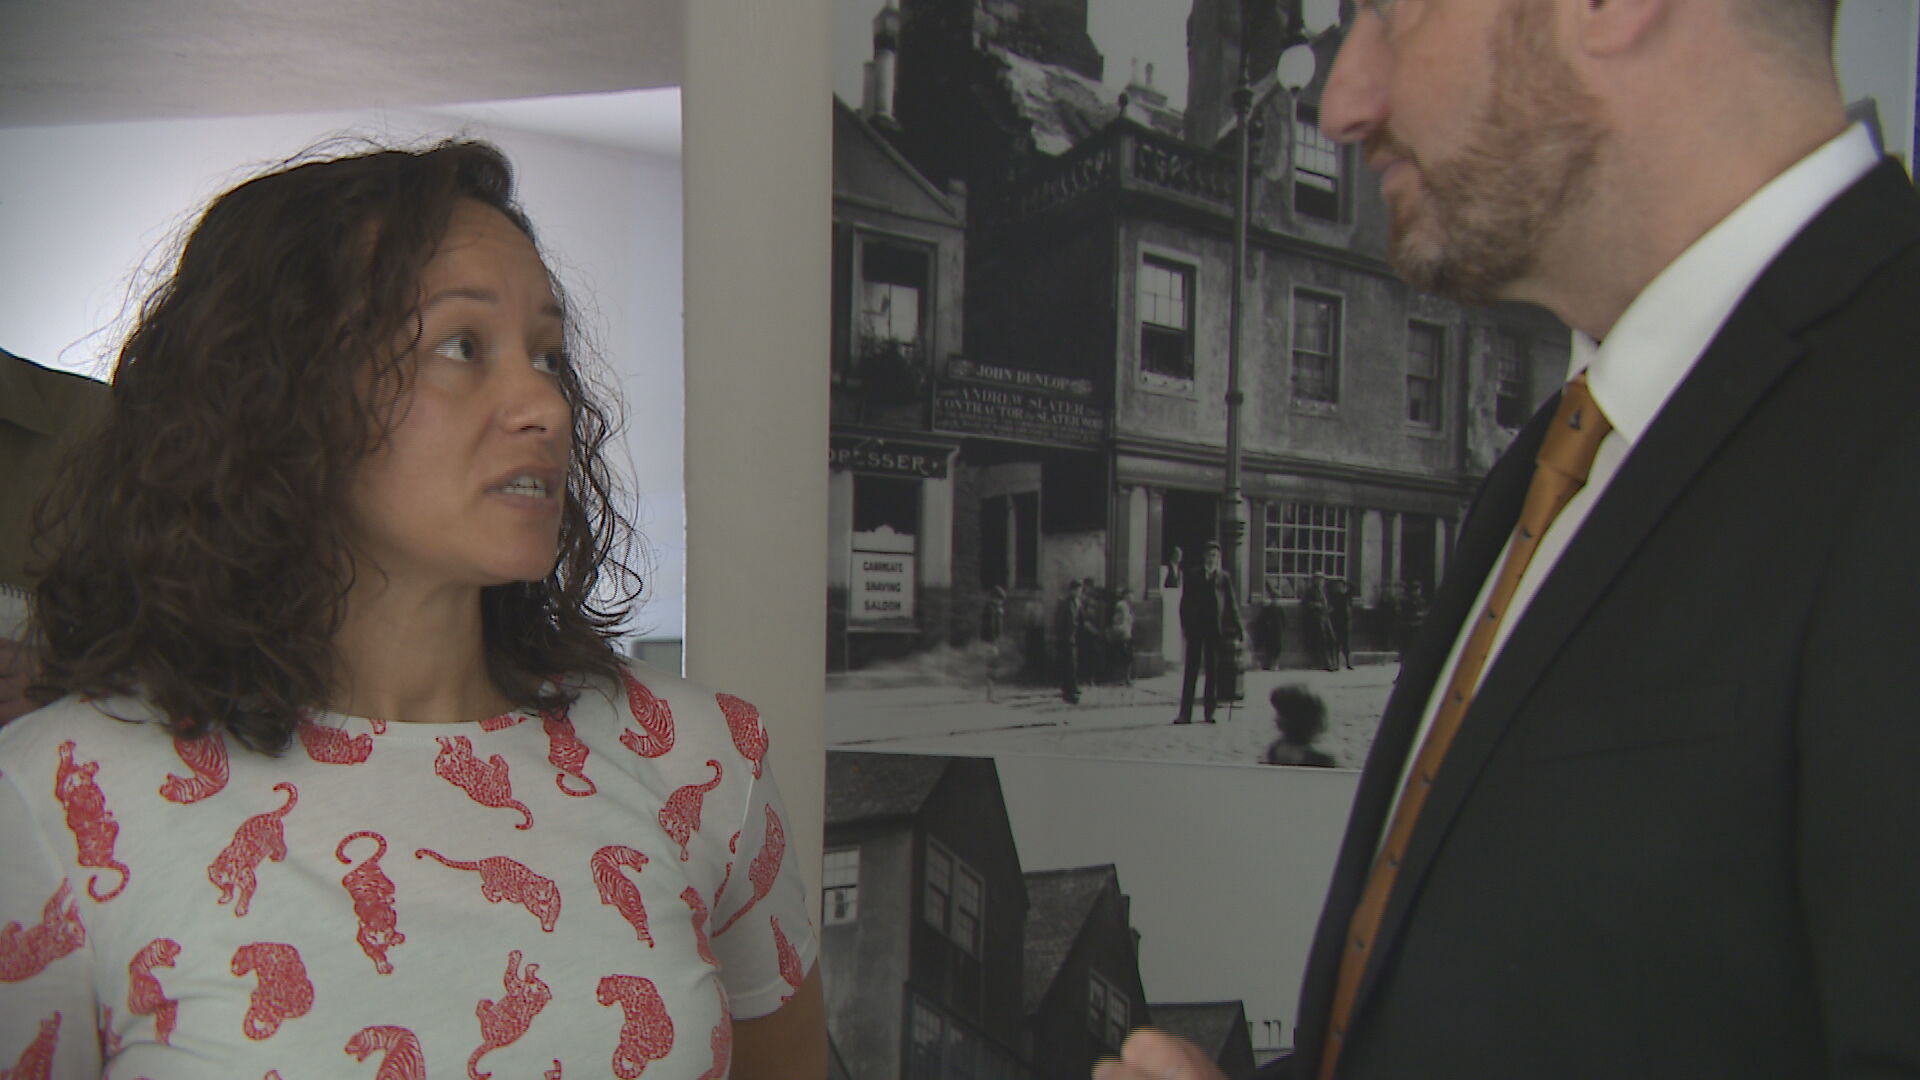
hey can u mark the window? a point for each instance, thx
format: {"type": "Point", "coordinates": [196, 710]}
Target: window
{"type": "Point", "coordinates": [1512, 379]}
{"type": "Point", "coordinates": [1316, 166]}
{"type": "Point", "coordinates": [1425, 362]}
{"type": "Point", "coordinates": [929, 1043]}
{"type": "Point", "coordinates": [955, 897]}
{"type": "Point", "coordinates": [944, 1048]}
{"type": "Point", "coordinates": [889, 345]}
{"type": "Point", "coordinates": [1107, 1009]}
{"type": "Point", "coordinates": [1302, 540]}
{"type": "Point", "coordinates": [1166, 318]}
{"type": "Point", "coordinates": [840, 886]}
{"type": "Point", "coordinates": [1316, 348]}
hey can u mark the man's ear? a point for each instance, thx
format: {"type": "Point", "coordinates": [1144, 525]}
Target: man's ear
{"type": "Point", "coordinates": [1605, 28]}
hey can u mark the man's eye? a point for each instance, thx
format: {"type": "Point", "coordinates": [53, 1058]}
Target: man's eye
{"type": "Point", "coordinates": [463, 346]}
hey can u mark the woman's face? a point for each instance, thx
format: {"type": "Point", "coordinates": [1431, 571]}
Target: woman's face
{"type": "Point", "coordinates": [468, 487]}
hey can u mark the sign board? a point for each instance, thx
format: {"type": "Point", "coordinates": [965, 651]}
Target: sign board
{"type": "Point", "coordinates": [1024, 406]}
{"type": "Point", "coordinates": [882, 587]}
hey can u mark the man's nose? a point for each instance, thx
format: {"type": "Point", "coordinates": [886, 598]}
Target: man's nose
{"type": "Point", "coordinates": [1353, 105]}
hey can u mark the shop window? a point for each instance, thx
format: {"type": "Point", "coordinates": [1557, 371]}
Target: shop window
{"type": "Point", "coordinates": [1318, 166]}
{"type": "Point", "coordinates": [1316, 348]}
{"type": "Point", "coordinates": [1303, 540]}
{"type": "Point", "coordinates": [1512, 379]}
{"type": "Point", "coordinates": [1166, 318]}
{"type": "Point", "coordinates": [1425, 363]}
{"type": "Point", "coordinates": [840, 886]}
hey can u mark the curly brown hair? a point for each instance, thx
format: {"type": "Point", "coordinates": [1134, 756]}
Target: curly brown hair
{"type": "Point", "coordinates": [199, 540]}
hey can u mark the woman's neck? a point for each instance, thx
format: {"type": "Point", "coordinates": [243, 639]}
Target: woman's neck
{"type": "Point", "coordinates": [414, 656]}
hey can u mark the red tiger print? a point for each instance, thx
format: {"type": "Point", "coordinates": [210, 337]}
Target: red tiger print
{"type": "Point", "coordinates": [206, 756]}
{"type": "Point", "coordinates": [700, 943]}
{"type": "Point", "coordinates": [372, 893]}
{"type": "Point", "coordinates": [330, 745]}
{"type": "Point", "coordinates": [144, 994]}
{"type": "Point", "coordinates": [619, 892]}
{"type": "Point", "coordinates": [36, 1061]}
{"type": "Point", "coordinates": [27, 951]}
{"type": "Point", "coordinates": [284, 992]}
{"type": "Point", "coordinates": [764, 868]}
{"type": "Point", "coordinates": [789, 959]}
{"type": "Point", "coordinates": [502, 878]}
{"type": "Point", "coordinates": [259, 837]}
{"type": "Point", "coordinates": [652, 714]}
{"type": "Point", "coordinates": [647, 1034]}
{"type": "Point", "coordinates": [404, 1059]}
{"type": "Point", "coordinates": [680, 817]}
{"type": "Point", "coordinates": [88, 818]}
{"type": "Point", "coordinates": [486, 784]}
{"type": "Point", "coordinates": [502, 1023]}
{"type": "Point", "coordinates": [501, 722]}
{"type": "Point", "coordinates": [743, 723]}
{"type": "Point", "coordinates": [553, 1073]}
{"type": "Point", "coordinates": [566, 752]}
{"type": "Point", "coordinates": [109, 1038]}
{"type": "Point", "coordinates": [379, 725]}
{"type": "Point", "coordinates": [722, 1043]}
{"type": "Point", "coordinates": [733, 848]}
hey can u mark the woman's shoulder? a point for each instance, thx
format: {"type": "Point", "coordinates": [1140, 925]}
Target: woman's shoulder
{"type": "Point", "coordinates": [658, 701]}
{"type": "Point", "coordinates": [77, 731]}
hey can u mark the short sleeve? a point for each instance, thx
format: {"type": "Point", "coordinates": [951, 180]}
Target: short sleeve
{"type": "Point", "coordinates": [47, 1014]}
{"type": "Point", "coordinates": [765, 938]}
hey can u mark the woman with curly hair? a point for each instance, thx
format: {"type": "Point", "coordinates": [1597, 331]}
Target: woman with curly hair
{"type": "Point", "coordinates": [342, 761]}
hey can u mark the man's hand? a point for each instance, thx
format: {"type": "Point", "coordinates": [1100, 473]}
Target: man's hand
{"type": "Point", "coordinates": [16, 671]}
{"type": "Point", "coordinates": [1155, 1055]}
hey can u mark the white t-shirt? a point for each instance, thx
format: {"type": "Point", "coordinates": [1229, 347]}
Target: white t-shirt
{"type": "Point", "coordinates": [580, 894]}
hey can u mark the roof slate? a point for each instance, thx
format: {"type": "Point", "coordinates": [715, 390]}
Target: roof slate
{"type": "Point", "coordinates": [1058, 903]}
{"type": "Point", "coordinates": [864, 786]}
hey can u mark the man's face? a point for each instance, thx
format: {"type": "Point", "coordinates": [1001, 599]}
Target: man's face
{"type": "Point", "coordinates": [1211, 560]}
{"type": "Point", "coordinates": [1483, 137]}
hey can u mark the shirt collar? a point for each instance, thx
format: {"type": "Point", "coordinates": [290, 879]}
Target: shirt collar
{"type": "Point", "coordinates": [1657, 339]}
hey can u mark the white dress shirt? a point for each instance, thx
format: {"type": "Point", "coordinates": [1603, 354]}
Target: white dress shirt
{"type": "Point", "coordinates": [1655, 344]}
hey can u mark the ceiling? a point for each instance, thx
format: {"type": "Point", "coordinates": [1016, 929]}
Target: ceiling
{"type": "Point", "coordinates": [68, 62]}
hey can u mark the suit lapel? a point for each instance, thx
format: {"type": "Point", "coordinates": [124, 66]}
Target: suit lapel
{"type": "Point", "coordinates": [1830, 260]}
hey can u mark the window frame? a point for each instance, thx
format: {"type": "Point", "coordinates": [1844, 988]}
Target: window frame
{"type": "Point", "coordinates": [1512, 378]}
{"type": "Point", "coordinates": [839, 901]}
{"type": "Point", "coordinates": [1109, 1010]}
{"type": "Point", "coordinates": [1188, 273]}
{"type": "Point", "coordinates": [944, 887]}
{"type": "Point", "coordinates": [1333, 357]}
{"type": "Point", "coordinates": [1311, 146]}
{"type": "Point", "coordinates": [1305, 523]}
{"type": "Point", "coordinates": [1435, 377]}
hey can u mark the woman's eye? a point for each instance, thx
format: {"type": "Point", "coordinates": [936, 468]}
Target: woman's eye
{"type": "Point", "coordinates": [550, 361]}
{"type": "Point", "coordinates": [464, 347]}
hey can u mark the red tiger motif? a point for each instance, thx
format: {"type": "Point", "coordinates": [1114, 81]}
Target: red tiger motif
{"type": "Point", "coordinates": [330, 745]}
{"type": "Point", "coordinates": [722, 1043]}
{"type": "Point", "coordinates": [789, 959]}
{"type": "Point", "coordinates": [647, 1034]}
{"type": "Point", "coordinates": [404, 1059]}
{"type": "Point", "coordinates": [27, 951]}
{"type": "Point", "coordinates": [743, 723]}
{"type": "Point", "coordinates": [502, 878]}
{"type": "Point", "coordinates": [36, 1061]}
{"type": "Point", "coordinates": [109, 1038]}
{"type": "Point", "coordinates": [261, 836]}
{"type": "Point", "coordinates": [206, 756]}
{"type": "Point", "coordinates": [652, 714]}
{"type": "Point", "coordinates": [764, 867]}
{"type": "Point", "coordinates": [502, 1023]}
{"type": "Point", "coordinates": [566, 752]}
{"type": "Point", "coordinates": [700, 943]}
{"type": "Point", "coordinates": [372, 893]}
{"type": "Point", "coordinates": [680, 817]}
{"type": "Point", "coordinates": [733, 848]}
{"type": "Point", "coordinates": [501, 722]}
{"type": "Point", "coordinates": [145, 997]}
{"type": "Point", "coordinates": [485, 783]}
{"type": "Point", "coordinates": [619, 892]}
{"type": "Point", "coordinates": [284, 991]}
{"type": "Point", "coordinates": [379, 725]}
{"type": "Point", "coordinates": [553, 1073]}
{"type": "Point", "coordinates": [88, 818]}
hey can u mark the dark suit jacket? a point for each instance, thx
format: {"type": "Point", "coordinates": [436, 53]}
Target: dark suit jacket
{"type": "Point", "coordinates": [1210, 607]}
{"type": "Point", "coordinates": [1678, 835]}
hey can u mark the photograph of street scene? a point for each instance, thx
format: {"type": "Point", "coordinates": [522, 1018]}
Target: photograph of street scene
{"type": "Point", "coordinates": [1093, 473]}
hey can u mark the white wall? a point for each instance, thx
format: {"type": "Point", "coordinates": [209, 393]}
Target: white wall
{"type": "Point", "coordinates": [83, 207]}
{"type": "Point", "coordinates": [1875, 54]}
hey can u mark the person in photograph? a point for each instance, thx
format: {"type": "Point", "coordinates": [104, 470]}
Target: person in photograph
{"type": "Point", "coordinates": [1210, 621]}
{"type": "Point", "coordinates": [1642, 798]}
{"type": "Point", "coordinates": [1300, 717]}
{"type": "Point", "coordinates": [1120, 638]}
{"type": "Point", "coordinates": [1340, 621]}
{"type": "Point", "coordinates": [1069, 620]}
{"type": "Point", "coordinates": [1411, 614]}
{"type": "Point", "coordinates": [1270, 627]}
{"type": "Point", "coordinates": [344, 762]}
{"type": "Point", "coordinates": [993, 616]}
{"type": "Point", "coordinates": [1319, 621]}
{"type": "Point", "coordinates": [42, 413]}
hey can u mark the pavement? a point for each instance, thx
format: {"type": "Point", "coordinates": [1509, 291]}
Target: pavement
{"type": "Point", "coordinates": [953, 708]}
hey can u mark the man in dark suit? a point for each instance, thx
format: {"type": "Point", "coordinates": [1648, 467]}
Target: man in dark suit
{"type": "Point", "coordinates": [1068, 616]}
{"type": "Point", "coordinates": [1210, 619]}
{"type": "Point", "coordinates": [1643, 801]}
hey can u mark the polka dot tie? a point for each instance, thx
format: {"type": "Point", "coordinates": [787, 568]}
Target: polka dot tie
{"type": "Point", "coordinates": [1560, 469]}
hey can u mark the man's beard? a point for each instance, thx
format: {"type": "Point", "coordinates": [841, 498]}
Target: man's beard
{"type": "Point", "coordinates": [1475, 225]}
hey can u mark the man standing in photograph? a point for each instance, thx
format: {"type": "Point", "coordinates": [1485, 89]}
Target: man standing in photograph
{"type": "Point", "coordinates": [1210, 621]}
{"type": "Point", "coordinates": [1067, 618]}
{"type": "Point", "coordinates": [1642, 802]}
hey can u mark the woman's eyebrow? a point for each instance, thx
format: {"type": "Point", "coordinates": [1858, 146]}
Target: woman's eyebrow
{"type": "Point", "coordinates": [484, 296]}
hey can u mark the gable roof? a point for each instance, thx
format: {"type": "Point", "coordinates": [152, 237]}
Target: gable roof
{"type": "Point", "coordinates": [1058, 904]}
{"type": "Point", "coordinates": [1210, 1025]}
{"type": "Point", "coordinates": [862, 786]}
